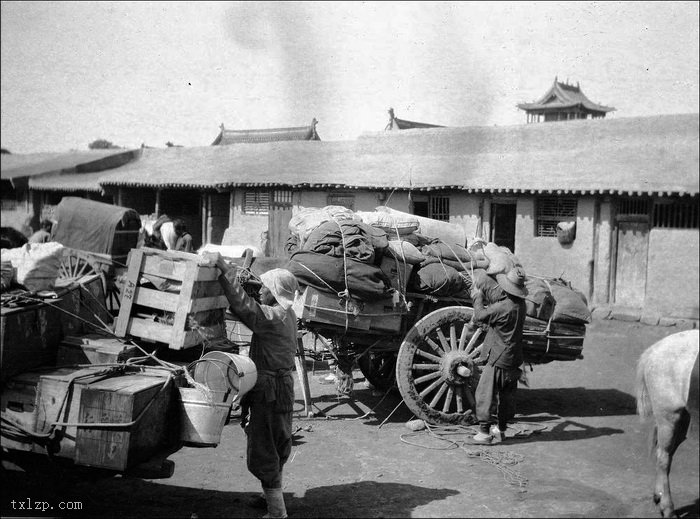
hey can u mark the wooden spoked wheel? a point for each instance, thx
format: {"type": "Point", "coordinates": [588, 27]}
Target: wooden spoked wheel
{"type": "Point", "coordinates": [77, 267]}
{"type": "Point", "coordinates": [437, 366]}
{"type": "Point", "coordinates": [379, 368]}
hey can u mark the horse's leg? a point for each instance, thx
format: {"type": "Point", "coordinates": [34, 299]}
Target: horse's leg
{"type": "Point", "coordinates": [671, 430]}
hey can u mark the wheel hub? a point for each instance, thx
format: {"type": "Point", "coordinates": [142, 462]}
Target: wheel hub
{"type": "Point", "coordinates": [456, 367]}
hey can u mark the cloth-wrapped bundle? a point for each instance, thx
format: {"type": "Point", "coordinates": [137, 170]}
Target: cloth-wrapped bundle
{"type": "Point", "coordinates": [330, 274]}
{"type": "Point", "coordinates": [571, 305]}
{"type": "Point", "coordinates": [439, 280]}
{"type": "Point", "coordinates": [539, 302]}
{"type": "Point", "coordinates": [355, 240]}
{"type": "Point", "coordinates": [309, 218]}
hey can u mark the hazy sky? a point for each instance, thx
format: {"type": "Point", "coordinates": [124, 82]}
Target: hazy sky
{"type": "Point", "coordinates": [152, 72]}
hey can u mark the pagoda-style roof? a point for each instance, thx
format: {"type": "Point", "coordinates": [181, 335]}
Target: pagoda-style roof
{"type": "Point", "coordinates": [402, 124]}
{"type": "Point", "coordinates": [298, 133]}
{"type": "Point", "coordinates": [562, 97]}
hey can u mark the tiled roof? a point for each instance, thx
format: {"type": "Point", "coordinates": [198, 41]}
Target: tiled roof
{"type": "Point", "coordinates": [625, 155]}
{"type": "Point", "coordinates": [561, 96]}
{"type": "Point", "coordinates": [299, 133]}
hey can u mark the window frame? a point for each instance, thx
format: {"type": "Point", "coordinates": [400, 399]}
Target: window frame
{"type": "Point", "coordinates": [561, 209]}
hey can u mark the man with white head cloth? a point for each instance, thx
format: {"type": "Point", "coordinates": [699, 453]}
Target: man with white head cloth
{"type": "Point", "coordinates": [266, 410]}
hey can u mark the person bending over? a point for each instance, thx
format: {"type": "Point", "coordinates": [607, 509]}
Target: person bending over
{"type": "Point", "coordinates": [504, 316]}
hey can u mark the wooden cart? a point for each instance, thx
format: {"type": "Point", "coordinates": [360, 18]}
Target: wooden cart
{"type": "Point", "coordinates": [97, 238]}
{"type": "Point", "coordinates": [426, 346]}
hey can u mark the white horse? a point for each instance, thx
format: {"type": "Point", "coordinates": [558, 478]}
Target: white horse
{"type": "Point", "coordinates": [667, 388]}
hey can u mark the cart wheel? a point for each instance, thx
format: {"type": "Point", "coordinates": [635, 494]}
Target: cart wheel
{"type": "Point", "coordinates": [78, 268]}
{"type": "Point", "coordinates": [113, 297]}
{"type": "Point", "coordinates": [379, 369]}
{"type": "Point", "coordinates": [436, 367]}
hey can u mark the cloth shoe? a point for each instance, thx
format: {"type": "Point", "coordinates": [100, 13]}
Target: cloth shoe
{"type": "Point", "coordinates": [275, 503]}
{"type": "Point", "coordinates": [498, 435]}
{"type": "Point", "coordinates": [482, 438]}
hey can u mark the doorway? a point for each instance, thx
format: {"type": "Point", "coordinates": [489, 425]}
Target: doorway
{"type": "Point", "coordinates": [503, 224]}
{"type": "Point", "coordinates": [631, 263]}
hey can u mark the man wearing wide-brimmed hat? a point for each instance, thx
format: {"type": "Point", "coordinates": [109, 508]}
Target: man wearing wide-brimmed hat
{"type": "Point", "coordinates": [504, 314]}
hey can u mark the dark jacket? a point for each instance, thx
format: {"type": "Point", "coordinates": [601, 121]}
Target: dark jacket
{"type": "Point", "coordinates": [506, 320]}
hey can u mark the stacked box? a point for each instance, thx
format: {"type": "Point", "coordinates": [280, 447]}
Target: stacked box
{"type": "Point", "coordinates": [317, 307]}
{"type": "Point", "coordinates": [137, 398]}
{"type": "Point", "coordinates": [171, 297]}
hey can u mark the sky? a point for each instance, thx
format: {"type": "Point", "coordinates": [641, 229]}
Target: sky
{"type": "Point", "coordinates": [138, 73]}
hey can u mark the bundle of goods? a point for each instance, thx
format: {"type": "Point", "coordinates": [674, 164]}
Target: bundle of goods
{"type": "Point", "coordinates": [347, 274]}
{"type": "Point", "coordinates": [444, 231]}
{"type": "Point", "coordinates": [558, 313]}
{"type": "Point", "coordinates": [309, 218]}
{"type": "Point", "coordinates": [359, 280]}
{"type": "Point", "coordinates": [35, 266]}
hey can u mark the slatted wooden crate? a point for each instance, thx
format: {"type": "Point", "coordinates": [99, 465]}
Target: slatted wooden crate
{"type": "Point", "coordinates": [185, 308]}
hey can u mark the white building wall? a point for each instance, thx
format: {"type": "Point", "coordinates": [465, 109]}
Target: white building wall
{"type": "Point", "coordinates": [603, 254]}
{"type": "Point", "coordinates": [545, 256]}
{"type": "Point", "coordinates": [672, 273]}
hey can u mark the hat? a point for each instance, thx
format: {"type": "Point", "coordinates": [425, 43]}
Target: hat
{"type": "Point", "coordinates": [282, 284]}
{"type": "Point", "coordinates": [513, 282]}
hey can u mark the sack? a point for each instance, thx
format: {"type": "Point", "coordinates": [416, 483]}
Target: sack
{"type": "Point", "coordinates": [404, 251]}
{"type": "Point", "coordinates": [570, 304]}
{"type": "Point", "coordinates": [37, 264]}
{"type": "Point", "coordinates": [308, 218]}
{"type": "Point", "coordinates": [443, 250]}
{"type": "Point", "coordinates": [539, 302]}
{"type": "Point", "coordinates": [501, 259]}
{"type": "Point", "coordinates": [448, 232]}
{"type": "Point", "coordinates": [395, 226]}
{"type": "Point", "coordinates": [488, 285]}
{"type": "Point", "coordinates": [439, 280]}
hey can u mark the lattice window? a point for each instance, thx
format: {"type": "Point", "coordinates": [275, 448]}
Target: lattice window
{"type": "Point", "coordinates": [633, 207]}
{"type": "Point", "coordinates": [344, 200]}
{"type": "Point", "coordinates": [676, 214]}
{"type": "Point", "coordinates": [280, 197]}
{"type": "Point", "coordinates": [551, 211]}
{"type": "Point", "coordinates": [257, 202]}
{"type": "Point", "coordinates": [440, 208]}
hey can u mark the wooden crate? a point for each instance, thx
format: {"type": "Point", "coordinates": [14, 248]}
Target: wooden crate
{"type": "Point", "coordinates": [58, 400]}
{"type": "Point", "coordinates": [141, 398]}
{"type": "Point", "coordinates": [317, 307]}
{"type": "Point", "coordinates": [94, 349]}
{"type": "Point", "coordinates": [18, 399]}
{"type": "Point", "coordinates": [187, 292]}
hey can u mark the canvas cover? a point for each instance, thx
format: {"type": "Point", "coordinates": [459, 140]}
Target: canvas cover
{"type": "Point", "coordinates": [90, 226]}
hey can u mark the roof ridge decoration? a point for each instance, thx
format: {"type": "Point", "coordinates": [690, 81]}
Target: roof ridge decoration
{"type": "Point", "coordinates": [295, 133]}
{"type": "Point", "coordinates": [565, 97]}
{"type": "Point", "coordinates": [403, 124]}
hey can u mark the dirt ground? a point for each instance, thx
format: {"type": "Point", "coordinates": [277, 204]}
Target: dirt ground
{"type": "Point", "coordinates": [582, 453]}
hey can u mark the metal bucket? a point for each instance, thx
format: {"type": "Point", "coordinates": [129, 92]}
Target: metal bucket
{"type": "Point", "coordinates": [201, 420]}
{"type": "Point", "coordinates": [222, 371]}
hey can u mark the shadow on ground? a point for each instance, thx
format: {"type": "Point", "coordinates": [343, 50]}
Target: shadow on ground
{"type": "Point", "coordinates": [116, 496]}
{"type": "Point", "coordinates": [365, 499]}
{"type": "Point", "coordinates": [575, 401]}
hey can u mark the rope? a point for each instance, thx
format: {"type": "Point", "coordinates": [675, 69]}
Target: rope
{"type": "Point", "coordinates": [502, 460]}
